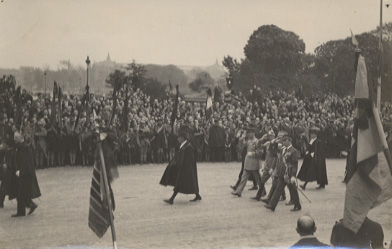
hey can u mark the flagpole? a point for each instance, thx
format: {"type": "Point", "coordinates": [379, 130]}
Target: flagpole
{"type": "Point", "coordinates": [107, 194]}
{"type": "Point", "coordinates": [379, 66]}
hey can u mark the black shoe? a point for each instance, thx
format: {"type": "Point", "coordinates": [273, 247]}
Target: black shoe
{"type": "Point", "coordinates": [282, 198]}
{"type": "Point", "coordinates": [320, 187]}
{"type": "Point", "coordinates": [197, 198]}
{"type": "Point", "coordinates": [295, 209]}
{"type": "Point", "coordinates": [264, 200]}
{"type": "Point", "coordinates": [289, 203]}
{"type": "Point", "coordinates": [17, 215]}
{"type": "Point", "coordinates": [235, 193]}
{"type": "Point", "coordinates": [256, 198]}
{"type": "Point", "coordinates": [269, 207]}
{"type": "Point", "coordinates": [32, 209]}
{"type": "Point", "coordinates": [169, 201]}
{"type": "Point", "coordinates": [254, 188]}
{"type": "Point", "coordinates": [303, 186]}
{"type": "Point", "coordinates": [233, 188]}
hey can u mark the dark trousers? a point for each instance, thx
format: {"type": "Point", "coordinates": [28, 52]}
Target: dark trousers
{"type": "Point", "coordinates": [273, 188]}
{"type": "Point", "coordinates": [294, 197]}
{"type": "Point", "coordinates": [23, 204]}
{"type": "Point", "coordinates": [263, 179]}
{"type": "Point", "coordinates": [217, 153]}
{"type": "Point", "coordinates": [279, 190]}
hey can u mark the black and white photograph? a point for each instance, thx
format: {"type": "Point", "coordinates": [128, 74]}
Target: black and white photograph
{"type": "Point", "coordinates": [195, 124]}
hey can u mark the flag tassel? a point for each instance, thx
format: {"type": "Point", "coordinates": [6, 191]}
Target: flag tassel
{"type": "Point", "coordinates": [107, 194]}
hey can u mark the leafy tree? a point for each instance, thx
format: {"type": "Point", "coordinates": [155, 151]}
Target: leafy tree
{"type": "Point", "coordinates": [136, 74]}
{"type": "Point", "coordinates": [116, 79]}
{"type": "Point", "coordinates": [271, 49]}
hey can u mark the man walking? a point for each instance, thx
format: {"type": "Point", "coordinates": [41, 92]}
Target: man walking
{"type": "Point", "coordinates": [182, 171]}
{"type": "Point", "coordinates": [27, 181]}
{"type": "Point", "coordinates": [251, 163]}
{"type": "Point", "coordinates": [287, 165]}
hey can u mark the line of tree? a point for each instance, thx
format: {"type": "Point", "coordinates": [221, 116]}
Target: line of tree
{"type": "Point", "coordinates": [276, 59]}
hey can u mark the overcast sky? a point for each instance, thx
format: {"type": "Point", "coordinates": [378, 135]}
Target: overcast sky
{"type": "Point", "coordinates": [42, 32]}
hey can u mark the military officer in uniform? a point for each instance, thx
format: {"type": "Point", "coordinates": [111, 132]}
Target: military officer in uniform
{"type": "Point", "coordinates": [287, 165]}
{"type": "Point", "coordinates": [251, 163]}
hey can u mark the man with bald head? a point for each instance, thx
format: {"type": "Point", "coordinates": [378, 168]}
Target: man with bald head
{"type": "Point", "coordinates": [306, 227]}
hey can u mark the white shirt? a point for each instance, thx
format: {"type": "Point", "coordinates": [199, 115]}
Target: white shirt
{"type": "Point", "coordinates": [182, 145]}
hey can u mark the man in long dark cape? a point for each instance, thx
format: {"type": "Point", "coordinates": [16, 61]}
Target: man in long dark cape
{"type": "Point", "coordinates": [181, 173]}
{"type": "Point", "coordinates": [28, 188]}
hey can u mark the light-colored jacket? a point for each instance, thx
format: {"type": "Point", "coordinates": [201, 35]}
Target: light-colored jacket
{"type": "Point", "coordinates": [252, 161]}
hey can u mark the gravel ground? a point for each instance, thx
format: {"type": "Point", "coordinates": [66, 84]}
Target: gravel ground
{"type": "Point", "coordinates": [143, 220]}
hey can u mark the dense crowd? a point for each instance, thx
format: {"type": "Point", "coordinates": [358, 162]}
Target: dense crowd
{"type": "Point", "coordinates": [148, 135]}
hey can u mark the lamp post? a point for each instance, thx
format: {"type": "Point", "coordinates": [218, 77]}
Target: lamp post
{"type": "Point", "coordinates": [45, 81]}
{"type": "Point", "coordinates": [88, 64]}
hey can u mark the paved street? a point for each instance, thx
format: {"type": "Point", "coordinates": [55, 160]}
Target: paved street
{"type": "Point", "coordinates": [143, 220]}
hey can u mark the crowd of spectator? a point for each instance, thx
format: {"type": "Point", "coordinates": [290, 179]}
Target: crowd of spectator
{"type": "Point", "coordinates": [147, 136]}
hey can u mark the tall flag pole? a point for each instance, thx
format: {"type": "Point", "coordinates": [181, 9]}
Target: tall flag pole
{"type": "Point", "coordinates": [101, 196]}
{"type": "Point", "coordinates": [60, 97]}
{"type": "Point", "coordinates": [125, 111]}
{"type": "Point", "coordinates": [53, 111]}
{"type": "Point", "coordinates": [380, 62]}
{"type": "Point", "coordinates": [369, 179]}
{"type": "Point", "coordinates": [175, 107]}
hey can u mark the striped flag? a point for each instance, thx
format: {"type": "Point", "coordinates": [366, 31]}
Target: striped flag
{"type": "Point", "coordinates": [98, 217]}
{"type": "Point", "coordinates": [369, 179]}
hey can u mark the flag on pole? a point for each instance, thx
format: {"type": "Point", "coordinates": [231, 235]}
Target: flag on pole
{"type": "Point", "coordinates": [369, 179]}
{"type": "Point", "coordinates": [98, 216]}
{"type": "Point", "coordinates": [209, 104]}
{"type": "Point", "coordinates": [174, 112]}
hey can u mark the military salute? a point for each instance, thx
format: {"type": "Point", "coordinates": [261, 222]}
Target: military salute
{"type": "Point", "coordinates": [286, 171]}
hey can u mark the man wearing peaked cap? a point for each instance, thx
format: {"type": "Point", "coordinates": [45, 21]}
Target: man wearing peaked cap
{"type": "Point", "coordinates": [286, 171]}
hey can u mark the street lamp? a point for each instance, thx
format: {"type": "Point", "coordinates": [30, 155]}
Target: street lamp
{"type": "Point", "coordinates": [45, 81]}
{"type": "Point", "coordinates": [88, 64]}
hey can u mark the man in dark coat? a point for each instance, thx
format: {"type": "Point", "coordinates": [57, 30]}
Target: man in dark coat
{"type": "Point", "coordinates": [306, 227]}
{"type": "Point", "coordinates": [182, 171]}
{"type": "Point", "coordinates": [28, 188]}
{"type": "Point", "coordinates": [370, 235]}
{"type": "Point", "coordinates": [314, 166]}
{"type": "Point", "coordinates": [8, 179]}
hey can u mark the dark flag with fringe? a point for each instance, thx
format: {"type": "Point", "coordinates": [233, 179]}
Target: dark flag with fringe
{"type": "Point", "coordinates": [98, 217]}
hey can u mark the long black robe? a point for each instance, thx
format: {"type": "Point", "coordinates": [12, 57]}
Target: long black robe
{"type": "Point", "coordinates": [314, 168]}
{"type": "Point", "coordinates": [27, 181]}
{"type": "Point", "coordinates": [182, 171]}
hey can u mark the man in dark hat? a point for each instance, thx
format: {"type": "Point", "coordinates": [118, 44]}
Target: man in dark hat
{"type": "Point", "coordinates": [314, 166]}
{"type": "Point", "coordinates": [182, 171]}
{"type": "Point", "coordinates": [286, 167]}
